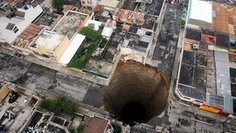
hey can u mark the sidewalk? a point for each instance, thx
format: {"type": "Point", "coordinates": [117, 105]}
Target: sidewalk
{"type": "Point", "coordinates": [68, 71]}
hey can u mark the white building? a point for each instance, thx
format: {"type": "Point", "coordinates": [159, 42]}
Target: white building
{"type": "Point", "coordinates": [12, 27]}
{"type": "Point", "coordinates": [109, 5]}
{"type": "Point", "coordinates": [68, 54]}
{"type": "Point", "coordinates": [94, 23]}
{"type": "Point", "coordinates": [200, 13]}
{"type": "Point", "coordinates": [89, 4]}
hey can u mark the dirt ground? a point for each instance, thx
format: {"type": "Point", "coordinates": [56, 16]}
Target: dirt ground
{"type": "Point", "coordinates": [133, 82]}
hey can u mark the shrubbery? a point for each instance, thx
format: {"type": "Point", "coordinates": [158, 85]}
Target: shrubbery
{"type": "Point", "coordinates": [103, 43]}
{"type": "Point", "coordinates": [80, 129]}
{"type": "Point", "coordinates": [182, 23]}
{"type": "Point", "coordinates": [91, 34]}
{"type": "Point", "coordinates": [84, 53]}
{"type": "Point", "coordinates": [60, 105]}
{"type": "Point", "coordinates": [117, 129]}
{"type": "Point", "coordinates": [58, 4]}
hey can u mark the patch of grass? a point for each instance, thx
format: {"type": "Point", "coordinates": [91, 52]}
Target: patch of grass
{"type": "Point", "coordinates": [117, 129]}
{"type": "Point", "coordinates": [60, 105]}
{"type": "Point", "coordinates": [84, 53]}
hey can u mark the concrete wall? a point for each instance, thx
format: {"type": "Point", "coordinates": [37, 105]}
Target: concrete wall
{"type": "Point", "coordinates": [199, 23]}
{"type": "Point", "coordinates": [61, 48]}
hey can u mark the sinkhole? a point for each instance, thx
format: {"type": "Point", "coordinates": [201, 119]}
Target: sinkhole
{"type": "Point", "coordinates": [136, 93]}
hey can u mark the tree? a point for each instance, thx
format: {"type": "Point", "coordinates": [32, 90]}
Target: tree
{"type": "Point", "coordinates": [80, 129]}
{"type": "Point", "coordinates": [58, 4]}
{"type": "Point", "coordinates": [59, 105]}
{"type": "Point", "coordinates": [182, 23]}
{"type": "Point", "coordinates": [117, 129]}
{"type": "Point", "coordinates": [90, 33]}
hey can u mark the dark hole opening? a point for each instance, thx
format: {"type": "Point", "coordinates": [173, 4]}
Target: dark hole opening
{"type": "Point", "coordinates": [133, 112]}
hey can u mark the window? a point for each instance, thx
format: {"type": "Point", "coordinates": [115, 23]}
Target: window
{"type": "Point", "coordinates": [10, 26]}
{"type": "Point", "coordinates": [15, 29]}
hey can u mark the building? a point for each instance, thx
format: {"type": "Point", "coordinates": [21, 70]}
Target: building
{"type": "Point", "coordinates": [136, 43]}
{"type": "Point", "coordinates": [200, 13]}
{"type": "Point", "coordinates": [224, 21]}
{"type": "Point", "coordinates": [20, 112]}
{"type": "Point", "coordinates": [96, 125]}
{"type": "Point", "coordinates": [89, 4]}
{"type": "Point", "coordinates": [205, 68]}
{"type": "Point", "coordinates": [51, 45]}
{"type": "Point", "coordinates": [25, 39]}
{"type": "Point", "coordinates": [69, 52]}
{"type": "Point", "coordinates": [109, 5]}
{"type": "Point", "coordinates": [12, 27]}
{"type": "Point", "coordinates": [129, 17]}
{"type": "Point", "coordinates": [16, 107]}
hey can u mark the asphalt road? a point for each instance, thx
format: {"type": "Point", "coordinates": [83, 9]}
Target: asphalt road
{"type": "Point", "coordinates": [47, 81]}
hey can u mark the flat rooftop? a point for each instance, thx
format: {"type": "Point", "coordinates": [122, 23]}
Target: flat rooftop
{"type": "Point", "coordinates": [48, 19]}
{"type": "Point", "coordinates": [48, 41]}
{"type": "Point", "coordinates": [194, 68]}
{"type": "Point", "coordinates": [193, 34]}
{"type": "Point", "coordinates": [228, 2]}
{"type": "Point", "coordinates": [150, 8]}
{"type": "Point", "coordinates": [96, 125]}
{"type": "Point", "coordinates": [70, 23]}
{"type": "Point", "coordinates": [129, 5]}
{"type": "Point", "coordinates": [204, 74]}
{"type": "Point", "coordinates": [151, 11]}
{"type": "Point", "coordinates": [103, 59]}
{"type": "Point", "coordinates": [109, 3]}
{"type": "Point", "coordinates": [150, 22]}
{"type": "Point", "coordinates": [209, 37]}
{"type": "Point", "coordinates": [13, 27]}
{"type": "Point", "coordinates": [42, 121]}
{"type": "Point", "coordinates": [201, 10]}
{"type": "Point", "coordinates": [15, 110]}
{"type": "Point", "coordinates": [137, 39]}
{"type": "Point", "coordinates": [222, 73]}
{"type": "Point", "coordinates": [69, 52]}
